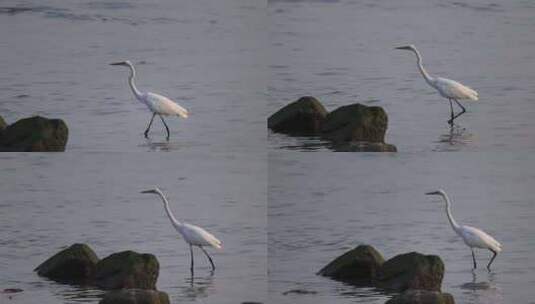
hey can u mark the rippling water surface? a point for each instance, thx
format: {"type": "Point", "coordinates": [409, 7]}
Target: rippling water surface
{"type": "Point", "coordinates": [341, 51]}
{"type": "Point", "coordinates": [52, 201]}
{"type": "Point", "coordinates": [323, 204]}
{"type": "Point", "coordinates": [206, 55]}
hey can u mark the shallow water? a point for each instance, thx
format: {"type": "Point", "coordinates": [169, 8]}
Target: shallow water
{"type": "Point", "coordinates": [341, 51]}
{"type": "Point", "coordinates": [323, 204]}
{"type": "Point", "coordinates": [52, 201]}
{"type": "Point", "coordinates": [206, 55]}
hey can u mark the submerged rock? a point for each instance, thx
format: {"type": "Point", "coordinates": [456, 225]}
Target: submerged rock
{"type": "Point", "coordinates": [363, 146]}
{"type": "Point", "coordinates": [12, 290]}
{"type": "Point", "coordinates": [302, 117]}
{"type": "Point", "coordinates": [355, 123]}
{"type": "Point", "coordinates": [127, 269]}
{"type": "Point", "coordinates": [414, 296]}
{"type": "Point", "coordinates": [135, 296]}
{"type": "Point", "coordinates": [411, 271]}
{"type": "Point", "coordinates": [358, 265]}
{"type": "Point", "coordinates": [299, 291]}
{"type": "Point", "coordinates": [35, 134]}
{"type": "Point", "coordinates": [75, 264]}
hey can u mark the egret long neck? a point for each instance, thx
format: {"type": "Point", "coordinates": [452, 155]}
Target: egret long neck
{"type": "Point", "coordinates": [175, 222]}
{"type": "Point", "coordinates": [453, 223]}
{"type": "Point", "coordinates": [131, 81]}
{"type": "Point", "coordinates": [424, 73]}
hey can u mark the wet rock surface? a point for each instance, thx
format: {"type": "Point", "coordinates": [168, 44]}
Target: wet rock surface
{"type": "Point", "coordinates": [34, 134]}
{"type": "Point", "coordinates": [355, 123]}
{"type": "Point", "coordinates": [358, 266]}
{"type": "Point", "coordinates": [351, 128]}
{"type": "Point", "coordinates": [299, 118]}
{"type": "Point", "coordinates": [411, 271]}
{"type": "Point", "coordinates": [127, 269]}
{"type": "Point", "coordinates": [75, 265]}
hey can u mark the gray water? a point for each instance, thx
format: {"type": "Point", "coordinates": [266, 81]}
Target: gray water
{"type": "Point", "coordinates": [323, 204]}
{"type": "Point", "coordinates": [206, 55]}
{"type": "Point", "coordinates": [52, 201]}
{"type": "Point", "coordinates": [341, 51]}
{"type": "Point", "coordinates": [232, 63]}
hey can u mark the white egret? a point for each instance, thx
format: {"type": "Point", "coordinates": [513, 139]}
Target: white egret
{"type": "Point", "coordinates": [472, 237]}
{"type": "Point", "coordinates": [157, 104]}
{"type": "Point", "coordinates": [193, 235]}
{"type": "Point", "coordinates": [450, 89]}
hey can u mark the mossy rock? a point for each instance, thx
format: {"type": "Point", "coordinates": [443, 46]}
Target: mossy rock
{"type": "Point", "coordinates": [414, 296]}
{"type": "Point", "coordinates": [357, 266]}
{"type": "Point", "coordinates": [74, 265]}
{"type": "Point", "coordinates": [299, 118]}
{"type": "Point", "coordinates": [35, 134]}
{"type": "Point", "coordinates": [411, 271]}
{"type": "Point", "coordinates": [354, 123]}
{"type": "Point", "coordinates": [135, 296]}
{"type": "Point", "coordinates": [127, 269]}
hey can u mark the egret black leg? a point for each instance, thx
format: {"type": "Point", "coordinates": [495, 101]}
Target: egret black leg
{"type": "Point", "coordinates": [462, 109]}
{"type": "Point", "coordinates": [191, 253]}
{"type": "Point", "coordinates": [492, 259]}
{"type": "Point", "coordinates": [474, 259]}
{"type": "Point", "coordinates": [150, 124]}
{"type": "Point", "coordinates": [209, 258]}
{"type": "Point", "coordinates": [451, 112]}
{"type": "Point", "coordinates": [166, 127]}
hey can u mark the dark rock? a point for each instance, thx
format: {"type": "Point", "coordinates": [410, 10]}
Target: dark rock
{"type": "Point", "coordinates": [35, 134]}
{"type": "Point", "coordinates": [302, 117]}
{"type": "Point", "coordinates": [135, 296]}
{"type": "Point", "coordinates": [357, 266]}
{"type": "Point", "coordinates": [363, 146]}
{"type": "Point", "coordinates": [12, 290]}
{"type": "Point", "coordinates": [3, 124]}
{"type": "Point", "coordinates": [299, 291]}
{"type": "Point", "coordinates": [411, 271]}
{"type": "Point", "coordinates": [127, 269]}
{"type": "Point", "coordinates": [413, 296]}
{"type": "Point", "coordinates": [355, 122]}
{"type": "Point", "coordinates": [75, 264]}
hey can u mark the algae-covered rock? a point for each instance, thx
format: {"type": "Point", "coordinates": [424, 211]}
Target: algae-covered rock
{"type": "Point", "coordinates": [355, 122]}
{"type": "Point", "coordinates": [35, 134]}
{"type": "Point", "coordinates": [75, 264]}
{"type": "Point", "coordinates": [302, 117]}
{"type": "Point", "coordinates": [127, 269]}
{"type": "Point", "coordinates": [411, 271]}
{"type": "Point", "coordinates": [135, 296]}
{"type": "Point", "coordinates": [358, 265]}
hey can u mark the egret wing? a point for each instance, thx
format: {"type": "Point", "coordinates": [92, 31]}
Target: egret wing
{"type": "Point", "coordinates": [453, 89]}
{"type": "Point", "coordinates": [200, 237]}
{"type": "Point", "coordinates": [165, 106]}
{"type": "Point", "coordinates": [480, 239]}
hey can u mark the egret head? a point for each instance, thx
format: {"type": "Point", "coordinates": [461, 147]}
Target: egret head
{"type": "Point", "coordinates": [123, 63]}
{"type": "Point", "coordinates": [409, 47]}
{"type": "Point", "coordinates": [153, 191]}
{"type": "Point", "coordinates": [437, 192]}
